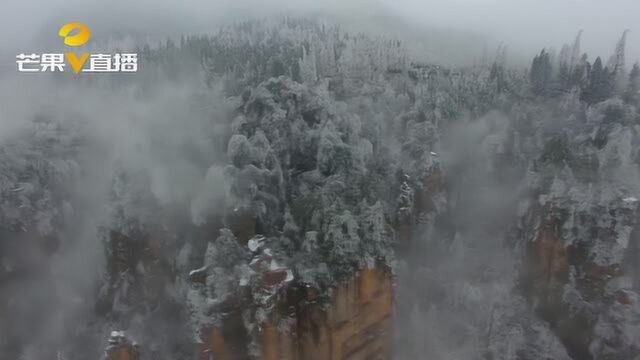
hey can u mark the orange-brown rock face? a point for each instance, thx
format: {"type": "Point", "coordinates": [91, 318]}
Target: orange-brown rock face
{"type": "Point", "coordinates": [354, 324]}
{"type": "Point", "coordinates": [548, 266]}
{"type": "Point", "coordinates": [550, 260]}
{"type": "Point", "coordinates": [121, 348]}
{"type": "Point", "coordinates": [124, 354]}
{"type": "Point", "coordinates": [577, 274]}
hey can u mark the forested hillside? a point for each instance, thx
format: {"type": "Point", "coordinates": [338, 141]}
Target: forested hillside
{"type": "Point", "coordinates": [241, 171]}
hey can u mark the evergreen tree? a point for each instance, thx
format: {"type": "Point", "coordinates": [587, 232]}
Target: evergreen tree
{"type": "Point", "coordinates": [600, 84]}
{"type": "Point", "coordinates": [565, 55]}
{"type": "Point", "coordinates": [632, 94]}
{"type": "Point", "coordinates": [497, 77]}
{"type": "Point", "coordinates": [575, 50]}
{"type": "Point", "coordinates": [617, 64]}
{"type": "Point", "coordinates": [580, 72]}
{"type": "Point", "coordinates": [541, 74]}
{"type": "Point", "coordinates": [564, 76]}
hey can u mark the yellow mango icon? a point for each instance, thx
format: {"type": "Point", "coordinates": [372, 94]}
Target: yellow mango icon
{"type": "Point", "coordinates": [79, 38]}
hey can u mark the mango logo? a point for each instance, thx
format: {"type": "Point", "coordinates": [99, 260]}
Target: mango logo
{"type": "Point", "coordinates": [80, 37]}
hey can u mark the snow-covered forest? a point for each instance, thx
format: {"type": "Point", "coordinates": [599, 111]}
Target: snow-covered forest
{"type": "Point", "coordinates": [289, 153]}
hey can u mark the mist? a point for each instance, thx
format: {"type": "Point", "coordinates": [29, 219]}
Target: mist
{"type": "Point", "coordinates": [524, 26]}
{"type": "Point", "coordinates": [165, 133]}
{"type": "Point", "coordinates": [354, 138]}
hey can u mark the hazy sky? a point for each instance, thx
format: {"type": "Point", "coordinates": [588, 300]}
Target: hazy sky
{"type": "Point", "coordinates": [525, 25]}
{"type": "Point", "coordinates": [533, 24]}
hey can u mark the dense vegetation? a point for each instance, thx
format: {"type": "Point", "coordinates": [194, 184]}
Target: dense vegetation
{"type": "Point", "coordinates": [329, 143]}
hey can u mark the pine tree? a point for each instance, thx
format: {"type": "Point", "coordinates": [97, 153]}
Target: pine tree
{"type": "Point", "coordinates": [564, 58]}
{"type": "Point", "coordinates": [600, 83]}
{"type": "Point", "coordinates": [541, 74]}
{"type": "Point", "coordinates": [497, 76]}
{"type": "Point", "coordinates": [632, 93]}
{"type": "Point", "coordinates": [617, 64]}
{"type": "Point", "coordinates": [575, 50]}
{"type": "Point", "coordinates": [580, 72]}
{"type": "Point", "coordinates": [564, 76]}
{"type": "Point", "coordinates": [308, 68]}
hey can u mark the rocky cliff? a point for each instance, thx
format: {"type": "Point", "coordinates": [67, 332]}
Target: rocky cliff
{"type": "Point", "coordinates": [320, 195]}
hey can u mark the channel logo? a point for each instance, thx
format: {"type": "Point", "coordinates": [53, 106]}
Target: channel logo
{"type": "Point", "coordinates": [76, 34]}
